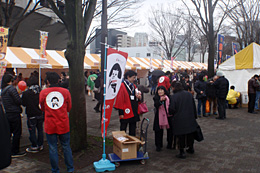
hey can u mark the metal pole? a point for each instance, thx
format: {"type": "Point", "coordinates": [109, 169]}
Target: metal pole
{"type": "Point", "coordinates": [103, 56]}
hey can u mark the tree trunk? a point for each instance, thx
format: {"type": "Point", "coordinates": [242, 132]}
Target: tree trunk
{"type": "Point", "coordinates": [78, 117]}
{"type": "Point", "coordinates": [211, 41]}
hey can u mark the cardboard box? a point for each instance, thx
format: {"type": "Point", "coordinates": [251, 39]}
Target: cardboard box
{"type": "Point", "coordinates": [125, 146]}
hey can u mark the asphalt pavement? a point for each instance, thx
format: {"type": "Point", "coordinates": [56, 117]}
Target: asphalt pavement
{"type": "Point", "coordinates": [230, 145]}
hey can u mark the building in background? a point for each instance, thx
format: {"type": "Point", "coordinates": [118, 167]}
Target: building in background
{"type": "Point", "coordinates": [95, 46]}
{"type": "Point", "coordinates": [124, 40]}
{"type": "Point", "coordinates": [141, 39]}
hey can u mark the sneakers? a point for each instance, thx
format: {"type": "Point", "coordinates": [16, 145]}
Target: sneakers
{"type": "Point", "coordinates": [20, 154]}
{"type": "Point", "coordinates": [40, 148]}
{"type": "Point", "coordinates": [32, 150]}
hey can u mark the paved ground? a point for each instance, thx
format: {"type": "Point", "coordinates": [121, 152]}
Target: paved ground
{"type": "Point", "coordinates": [232, 145]}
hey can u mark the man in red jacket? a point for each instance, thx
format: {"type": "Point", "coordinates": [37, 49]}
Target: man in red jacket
{"type": "Point", "coordinates": [165, 81]}
{"type": "Point", "coordinates": [55, 102]}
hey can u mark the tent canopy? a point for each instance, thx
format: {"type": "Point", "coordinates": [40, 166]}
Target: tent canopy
{"type": "Point", "coordinates": [248, 58]}
{"type": "Point", "coordinates": [18, 57]}
{"type": "Point", "coordinates": [241, 67]}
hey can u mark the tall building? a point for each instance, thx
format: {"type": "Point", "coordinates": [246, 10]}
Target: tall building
{"type": "Point", "coordinates": [141, 39]}
{"type": "Point", "coordinates": [125, 41]}
{"type": "Point", "coordinates": [95, 46]}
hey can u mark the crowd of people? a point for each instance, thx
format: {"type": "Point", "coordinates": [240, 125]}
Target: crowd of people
{"type": "Point", "coordinates": [175, 109]}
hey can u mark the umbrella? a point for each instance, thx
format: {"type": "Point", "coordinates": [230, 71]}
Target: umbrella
{"type": "Point", "coordinates": [158, 73]}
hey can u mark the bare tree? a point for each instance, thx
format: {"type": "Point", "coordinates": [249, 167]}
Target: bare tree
{"type": "Point", "coordinates": [245, 19]}
{"type": "Point", "coordinates": [6, 10]}
{"type": "Point", "coordinates": [168, 28]}
{"type": "Point", "coordinates": [205, 11]}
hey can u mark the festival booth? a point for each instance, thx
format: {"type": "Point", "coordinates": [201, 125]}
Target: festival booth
{"type": "Point", "coordinates": [22, 60]}
{"type": "Point", "coordinates": [241, 67]}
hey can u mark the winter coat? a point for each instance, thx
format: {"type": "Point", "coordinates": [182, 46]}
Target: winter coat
{"type": "Point", "coordinates": [222, 86]}
{"type": "Point", "coordinates": [210, 90]}
{"type": "Point", "coordinates": [232, 96]}
{"type": "Point", "coordinates": [11, 100]}
{"type": "Point", "coordinates": [30, 99]}
{"type": "Point", "coordinates": [5, 144]}
{"type": "Point", "coordinates": [182, 107]}
{"type": "Point", "coordinates": [252, 85]}
{"type": "Point", "coordinates": [199, 86]}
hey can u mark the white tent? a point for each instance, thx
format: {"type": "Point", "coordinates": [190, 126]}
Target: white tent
{"type": "Point", "coordinates": [241, 67]}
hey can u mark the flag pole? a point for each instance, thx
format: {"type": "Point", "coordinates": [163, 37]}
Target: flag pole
{"type": "Point", "coordinates": [103, 164]}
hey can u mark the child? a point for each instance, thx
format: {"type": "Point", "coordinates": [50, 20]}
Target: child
{"type": "Point", "coordinates": [162, 119]}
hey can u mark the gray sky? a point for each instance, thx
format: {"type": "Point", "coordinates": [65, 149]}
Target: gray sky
{"type": "Point", "coordinates": [143, 14]}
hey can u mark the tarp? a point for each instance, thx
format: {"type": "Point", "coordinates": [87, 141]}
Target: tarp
{"type": "Point", "coordinates": [18, 57]}
{"type": "Point", "coordinates": [241, 67]}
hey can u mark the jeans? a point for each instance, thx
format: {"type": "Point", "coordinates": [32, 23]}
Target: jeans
{"type": "Point", "coordinates": [203, 102]}
{"type": "Point", "coordinates": [153, 89]}
{"type": "Point", "coordinates": [257, 99]}
{"type": "Point", "coordinates": [15, 125]}
{"type": "Point", "coordinates": [53, 151]}
{"type": "Point", "coordinates": [34, 123]}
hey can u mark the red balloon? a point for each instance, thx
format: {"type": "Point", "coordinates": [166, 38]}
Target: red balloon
{"type": "Point", "coordinates": [22, 85]}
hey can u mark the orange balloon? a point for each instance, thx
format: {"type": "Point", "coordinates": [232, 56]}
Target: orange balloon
{"type": "Point", "coordinates": [22, 85]}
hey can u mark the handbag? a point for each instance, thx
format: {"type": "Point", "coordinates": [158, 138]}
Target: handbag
{"type": "Point", "coordinates": [142, 108]}
{"type": "Point", "coordinates": [198, 136]}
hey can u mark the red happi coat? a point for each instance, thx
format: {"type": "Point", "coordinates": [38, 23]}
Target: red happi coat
{"type": "Point", "coordinates": [123, 102]}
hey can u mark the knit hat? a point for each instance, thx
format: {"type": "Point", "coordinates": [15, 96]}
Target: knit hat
{"type": "Point", "coordinates": [220, 73]}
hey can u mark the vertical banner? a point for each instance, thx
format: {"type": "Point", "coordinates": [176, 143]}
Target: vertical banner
{"type": "Point", "coordinates": [234, 48]}
{"type": "Point", "coordinates": [3, 65]}
{"type": "Point", "coordinates": [171, 62]}
{"type": "Point", "coordinates": [220, 48]}
{"type": "Point", "coordinates": [116, 62]}
{"type": "Point", "coordinates": [43, 43]}
{"type": "Point", "coordinates": [151, 64]}
{"type": "Point", "coordinates": [3, 41]}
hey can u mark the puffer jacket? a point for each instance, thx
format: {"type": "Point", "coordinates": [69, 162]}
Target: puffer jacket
{"type": "Point", "coordinates": [252, 86]}
{"type": "Point", "coordinates": [11, 100]}
{"type": "Point", "coordinates": [200, 85]}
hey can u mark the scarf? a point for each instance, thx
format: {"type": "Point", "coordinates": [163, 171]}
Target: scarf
{"type": "Point", "coordinates": [163, 114]}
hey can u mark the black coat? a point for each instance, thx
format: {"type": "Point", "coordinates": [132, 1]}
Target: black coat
{"type": "Point", "coordinates": [157, 104]}
{"type": "Point", "coordinates": [211, 90]}
{"type": "Point", "coordinates": [5, 142]}
{"type": "Point", "coordinates": [11, 100]}
{"type": "Point", "coordinates": [183, 109]}
{"type": "Point", "coordinates": [30, 100]}
{"type": "Point", "coordinates": [222, 86]}
{"type": "Point", "coordinates": [200, 85]}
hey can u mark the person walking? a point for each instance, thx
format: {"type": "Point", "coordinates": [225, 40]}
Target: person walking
{"type": "Point", "coordinates": [184, 124]}
{"type": "Point", "coordinates": [200, 89]}
{"type": "Point", "coordinates": [12, 106]}
{"type": "Point", "coordinates": [55, 102]}
{"type": "Point", "coordinates": [222, 86]}
{"type": "Point", "coordinates": [162, 118]}
{"type": "Point", "coordinates": [30, 100]}
{"type": "Point", "coordinates": [91, 83]}
{"type": "Point", "coordinates": [252, 86]}
{"type": "Point", "coordinates": [127, 103]}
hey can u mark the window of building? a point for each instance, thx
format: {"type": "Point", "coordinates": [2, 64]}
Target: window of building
{"type": "Point", "coordinates": [148, 54]}
{"type": "Point", "coordinates": [137, 54]}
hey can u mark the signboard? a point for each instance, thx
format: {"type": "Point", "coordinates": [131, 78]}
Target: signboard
{"type": "Point", "coordinates": [3, 41]}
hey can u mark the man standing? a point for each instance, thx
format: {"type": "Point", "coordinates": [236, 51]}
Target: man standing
{"type": "Point", "coordinates": [55, 102]}
{"type": "Point", "coordinates": [12, 106]}
{"type": "Point", "coordinates": [222, 86]}
{"type": "Point", "coordinates": [252, 85]}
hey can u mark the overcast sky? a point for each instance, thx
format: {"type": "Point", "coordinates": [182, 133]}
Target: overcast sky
{"type": "Point", "coordinates": [143, 14]}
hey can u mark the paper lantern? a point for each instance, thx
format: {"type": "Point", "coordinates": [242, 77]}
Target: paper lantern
{"type": "Point", "coordinates": [22, 85]}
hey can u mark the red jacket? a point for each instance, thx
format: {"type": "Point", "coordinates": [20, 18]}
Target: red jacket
{"type": "Point", "coordinates": [55, 102]}
{"type": "Point", "coordinates": [123, 102]}
{"type": "Point", "coordinates": [164, 81]}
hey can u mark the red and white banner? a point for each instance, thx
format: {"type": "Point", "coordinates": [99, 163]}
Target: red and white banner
{"type": "Point", "coordinates": [43, 41]}
{"type": "Point", "coordinates": [116, 62]}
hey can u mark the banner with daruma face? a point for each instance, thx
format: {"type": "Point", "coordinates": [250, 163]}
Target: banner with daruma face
{"type": "Point", "coordinates": [3, 41]}
{"type": "Point", "coordinates": [116, 62]}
